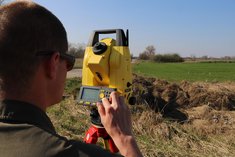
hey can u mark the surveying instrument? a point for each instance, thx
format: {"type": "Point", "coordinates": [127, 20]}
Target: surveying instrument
{"type": "Point", "coordinates": [106, 68]}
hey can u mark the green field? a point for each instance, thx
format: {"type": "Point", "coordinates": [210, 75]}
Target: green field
{"type": "Point", "coordinates": [206, 72]}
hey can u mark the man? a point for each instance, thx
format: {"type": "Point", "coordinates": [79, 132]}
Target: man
{"type": "Point", "coordinates": [33, 67]}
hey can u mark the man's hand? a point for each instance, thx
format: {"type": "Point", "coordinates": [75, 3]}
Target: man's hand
{"type": "Point", "coordinates": [116, 118]}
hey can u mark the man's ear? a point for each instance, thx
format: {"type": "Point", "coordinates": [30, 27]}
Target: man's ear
{"type": "Point", "coordinates": [52, 65]}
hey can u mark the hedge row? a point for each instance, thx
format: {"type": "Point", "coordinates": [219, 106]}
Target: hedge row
{"type": "Point", "coordinates": [163, 58]}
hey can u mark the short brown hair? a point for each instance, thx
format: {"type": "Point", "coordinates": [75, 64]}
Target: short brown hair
{"type": "Point", "coordinates": [25, 29]}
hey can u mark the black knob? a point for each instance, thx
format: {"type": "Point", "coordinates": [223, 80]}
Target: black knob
{"type": "Point", "coordinates": [94, 113]}
{"type": "Point", "coordinates": [95, 117]}
{"type": "Point", "coordinates": [132, 100]}
{"type": "Point", "coordinates": [99, 48]}
{"type": "Point", "coordinates": [128, 84]}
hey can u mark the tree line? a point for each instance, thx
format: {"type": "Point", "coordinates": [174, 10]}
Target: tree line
{"type": "Point", "coordinates": [76, 50]}
{"type": "Point", "coordinates": [150, 54]}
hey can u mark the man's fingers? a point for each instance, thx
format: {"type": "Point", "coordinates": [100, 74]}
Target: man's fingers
{"type": "Point", "coordinates": [106, 103]}
{"type": "Point", "coordinates": [115, 99]}
{"type": "Point", "coordinates": [101, 109]}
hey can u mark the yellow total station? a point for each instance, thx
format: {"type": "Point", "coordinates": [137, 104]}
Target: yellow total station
{"type": "Point", "coordinates": [107, 62]}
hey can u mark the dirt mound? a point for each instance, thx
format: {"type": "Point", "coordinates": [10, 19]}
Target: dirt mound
{"type": "Point", "coordinates": [172, 99]}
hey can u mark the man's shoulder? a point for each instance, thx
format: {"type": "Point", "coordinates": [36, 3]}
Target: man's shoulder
{"type": "Point", "coordinates": [31, 140]}
{"type": "Point", "coordinates": [75, 148]}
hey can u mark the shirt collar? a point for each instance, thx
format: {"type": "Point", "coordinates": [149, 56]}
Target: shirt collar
{"type": "Point", "coordinates": [14, 111]}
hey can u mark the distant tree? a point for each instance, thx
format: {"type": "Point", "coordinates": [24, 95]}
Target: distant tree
{"type": "Point", "coordinates": [150, 50]}
{"type": "Point", "coordinates": [76, 50]}
{"type": "Point", "coordinates": [193, 57]}
{"type": "Point", "coordinates": [227, 58]}
{"type": "Point", "coordinates": [148, 53]}
{"type": "Point", "coordinates": [204, 57]}
{"type": "Point", "coordinates": [143, 56]}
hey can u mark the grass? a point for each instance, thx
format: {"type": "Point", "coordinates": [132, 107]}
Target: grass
{"type": "Point", "coordinates": [203, 71]}
{"type": "Point", "coordinates": [155, 135]}
{"type": "Point", "coordinates": [69, 119]}
{"type": "Point", "coordinates": [165, 138]}
{"type": "Point", "coordinates": [72, 86]}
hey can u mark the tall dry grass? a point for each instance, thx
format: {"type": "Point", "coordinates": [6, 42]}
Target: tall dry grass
{"type": "Point", "coordinates": [156, 135]}
{"type": "Point", "coordinates": [206, 132]}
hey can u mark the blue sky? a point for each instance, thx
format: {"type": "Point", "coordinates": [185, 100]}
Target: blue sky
{"type": "Point", "coordinates": [187, 27]}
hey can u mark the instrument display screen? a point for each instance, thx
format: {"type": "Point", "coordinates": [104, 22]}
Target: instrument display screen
{"type": "Point", "coordinates": [91, 94]}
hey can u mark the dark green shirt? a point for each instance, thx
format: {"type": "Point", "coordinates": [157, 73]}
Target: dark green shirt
{"type": "Point", "coordinates": [26, 131]}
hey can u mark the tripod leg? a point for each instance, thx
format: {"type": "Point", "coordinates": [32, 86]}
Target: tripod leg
{"type": "Point", "coordinates": [91, 135]}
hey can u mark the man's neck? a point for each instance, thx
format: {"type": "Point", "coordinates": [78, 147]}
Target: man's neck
{"type": "Point", "coordinates": [35, 94]}
{"type": "Point", "coordinates": [29, 99]}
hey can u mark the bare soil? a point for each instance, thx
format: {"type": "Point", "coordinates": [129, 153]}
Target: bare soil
{"type": "Point", "coordinates": [187, 119]}
{"type": "Point", "coordinates": [201, 104]}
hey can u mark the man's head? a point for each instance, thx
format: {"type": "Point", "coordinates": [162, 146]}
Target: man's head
{"type": "Point", "coordinates": [26, 30]}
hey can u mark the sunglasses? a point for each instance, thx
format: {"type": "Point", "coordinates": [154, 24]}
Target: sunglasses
{"type": "Point", "coordinates": [70, 60]}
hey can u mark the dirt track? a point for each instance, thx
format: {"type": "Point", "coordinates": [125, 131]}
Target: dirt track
{"type": "Point", "coordinates": [74, 73]}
